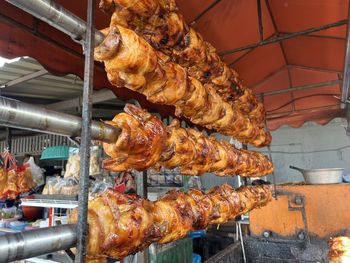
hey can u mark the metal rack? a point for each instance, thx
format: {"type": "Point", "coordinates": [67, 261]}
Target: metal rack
{"type": "Point", "coordinates": [25, 116]}
{"type": "Point", "coordinates": [49, 203]}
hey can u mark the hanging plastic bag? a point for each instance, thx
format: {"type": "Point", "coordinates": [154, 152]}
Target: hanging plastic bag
{"type": "Point", "coordinates": [73, 167]}
{"type": "Point", "coordinates": [36, 172]}
{"type": "Point", "coordinates": [94, 163]}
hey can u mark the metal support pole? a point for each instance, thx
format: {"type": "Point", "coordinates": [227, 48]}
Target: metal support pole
{"type": "Point", "coordinates": [21, 115]}
{"type": "Point", "coordinates": [346, 74]}
{"type": "Point", "coordinates": [24, 78]}
{"type": "Point", "coordinates": [270, 156]}
{"type": "Point", "coordinates": [86, 135]}
{"type": "Point", "coordinates": [279, 39]}
{"type": "Point", "coordinates": [9, 139]}
{"type": "Point", "coordinates": [27, 244]}
{"type": "Point", "coordinates": [141, 189]}
{"type": "Point", "coordinates": [261, 28]}
{"type": "Point", "coordinates": [58, 17]}
{"type": "Point", "coordinates": [303, 87]}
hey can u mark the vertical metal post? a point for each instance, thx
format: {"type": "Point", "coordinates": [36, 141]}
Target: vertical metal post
{"type": "Point", "coordinates": [141, 189]}
{"type": "Point", "coordinates": [9, 139]}
{"type": "Point", "coordinates": [86, 135]}
{"type": "Point", "coordinates": [346, 74]}
{"type": "Point", "coordinates": [270, 156]}
{"type": "Point", "coordinates": [261, 28]}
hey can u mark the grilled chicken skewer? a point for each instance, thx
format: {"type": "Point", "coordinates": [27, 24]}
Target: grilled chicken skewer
{"type": "Point", "coordinates": [146, 143]}
{"type": "Point", "coordinates": [132, 63]}
{"type": "Point", "coordinates": [120, 224]}
{"type": "Point", "coordinates": [165, 29]}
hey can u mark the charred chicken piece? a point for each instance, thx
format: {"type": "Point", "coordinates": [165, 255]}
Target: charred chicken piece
{"type": "Point", "coordinates": [132, 63]}
{"type": "Point", "coordinates": [164, 28]}
{"type": "Point", "coordinates": [140, 143]}
{"type": "Point", "coordinates": [145, 143]}
{"type": "Point", "coordinates": [120, 224]}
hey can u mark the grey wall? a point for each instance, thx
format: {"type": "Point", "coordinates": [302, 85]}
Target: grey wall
{"type": "Point", "coordinates": [310, 146]}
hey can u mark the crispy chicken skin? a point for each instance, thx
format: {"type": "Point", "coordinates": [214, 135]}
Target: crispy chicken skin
{"type": "Point", "coordinates": [159, 22]}
{"type": "Point", "coordinates": [121, 224]}
{"type": "Point", "coordinates": [145, 143]}
{"type": "Point", "coordinates": [132, 63]}
{"type": "Point", "coordinates": [140, 144]}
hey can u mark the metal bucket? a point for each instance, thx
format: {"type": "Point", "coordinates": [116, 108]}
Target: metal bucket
{"type": "Point", "coordinates": [321, 176]}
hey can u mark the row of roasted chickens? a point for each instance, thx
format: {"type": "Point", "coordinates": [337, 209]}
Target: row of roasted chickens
{"type": "Point", "coordinates": [15, 181]}
{"type": "Point", "coordinates": [149, 48]}
{"type": "Point", "coordinates": [121, 224]}
{"type": "Point", "coordinates": [145, 142]}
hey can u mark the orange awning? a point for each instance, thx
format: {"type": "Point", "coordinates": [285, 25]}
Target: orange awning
{"type": "Point", "coordinates": [298, 79]}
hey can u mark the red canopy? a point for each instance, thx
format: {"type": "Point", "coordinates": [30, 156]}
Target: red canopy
{"type": "Point", "coordinates": [298, 79]}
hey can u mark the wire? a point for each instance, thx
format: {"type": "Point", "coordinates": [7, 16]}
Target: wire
{"type": "Point", "coordinates": [309, 152]}
{"type": "Point", "coordinates": [304, 97]}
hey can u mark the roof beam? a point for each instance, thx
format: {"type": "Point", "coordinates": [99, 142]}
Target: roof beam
{"type": "Point", "coordinates": [316, 36]}
{"type": "Point", "coordinates": [24, 78]}
{"type": "Point", "coordinates": [279, 39]}
{"type": "Point", "coordinates": [303, 87]}
{"type": "Point", "coordinates": [199, 16]}
{"type": "Point", "coordinates": [314, 68]}
{"type": "Point", "coordinates": [261, 27]}
{"type": "Point", "coordinates": [97, 97]}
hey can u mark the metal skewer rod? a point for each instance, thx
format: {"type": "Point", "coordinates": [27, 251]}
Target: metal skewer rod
{"type": "Point", "coordinates": [58, 17]}
{"type": "Point", "coordinates": [82, 228]}
{"type": "Point", "coordinates": [31, 243]}
{"type": "Point", "coordinates": [21, 115]}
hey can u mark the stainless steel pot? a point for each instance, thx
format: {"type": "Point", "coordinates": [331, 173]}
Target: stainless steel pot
{"type": "Point", "coordinates": [321, 176]}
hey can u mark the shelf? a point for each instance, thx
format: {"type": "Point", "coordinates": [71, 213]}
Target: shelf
{"type": "Point", "coordinates": [69, 204]}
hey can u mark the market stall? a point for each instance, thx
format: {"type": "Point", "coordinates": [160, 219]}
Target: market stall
{"type": "Point", "coordinates": [148, 51]}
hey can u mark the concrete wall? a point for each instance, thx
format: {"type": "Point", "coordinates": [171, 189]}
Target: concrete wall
{"type": "Point", "coordinates": [310, 146]}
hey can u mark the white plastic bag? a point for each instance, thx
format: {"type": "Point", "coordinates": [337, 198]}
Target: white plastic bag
{"type": "Point", "coordinates": [73, 167]}
{"type": "Point", "coordinates": [37, 172]}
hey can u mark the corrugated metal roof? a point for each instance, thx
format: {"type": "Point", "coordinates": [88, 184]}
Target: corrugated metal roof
{"type": "Point", "coordinates": [45, 87]}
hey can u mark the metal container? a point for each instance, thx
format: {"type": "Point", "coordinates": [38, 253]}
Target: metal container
{"type": "Point", "coordinates": [321, 176]}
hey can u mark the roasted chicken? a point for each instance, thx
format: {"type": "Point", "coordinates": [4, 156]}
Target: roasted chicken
{"type": "Point", "coordinates": [339, 250]}
{"type": "Point", "coordinates": [3, 182]}
{"type": "Point", "coordinates": [14, 182]}
{"type": "Point", "coordinates": [121, 224]}
{"type": "Point", "coordinates": [140, 144]}
{"type": "Point", "coordinates": [159, 22]}
{"type": "Point", "coordinates": [145, 143]}
{"type": "Point", "coordinates": [132, 63]}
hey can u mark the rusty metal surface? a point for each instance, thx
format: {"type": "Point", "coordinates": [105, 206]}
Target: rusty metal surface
{"type": "Point", "coordinates": [82, 227]}
{"type": "Point", "coordinates": [281, 251]}
{"type": "Point", "coordinates": [325, 212]}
